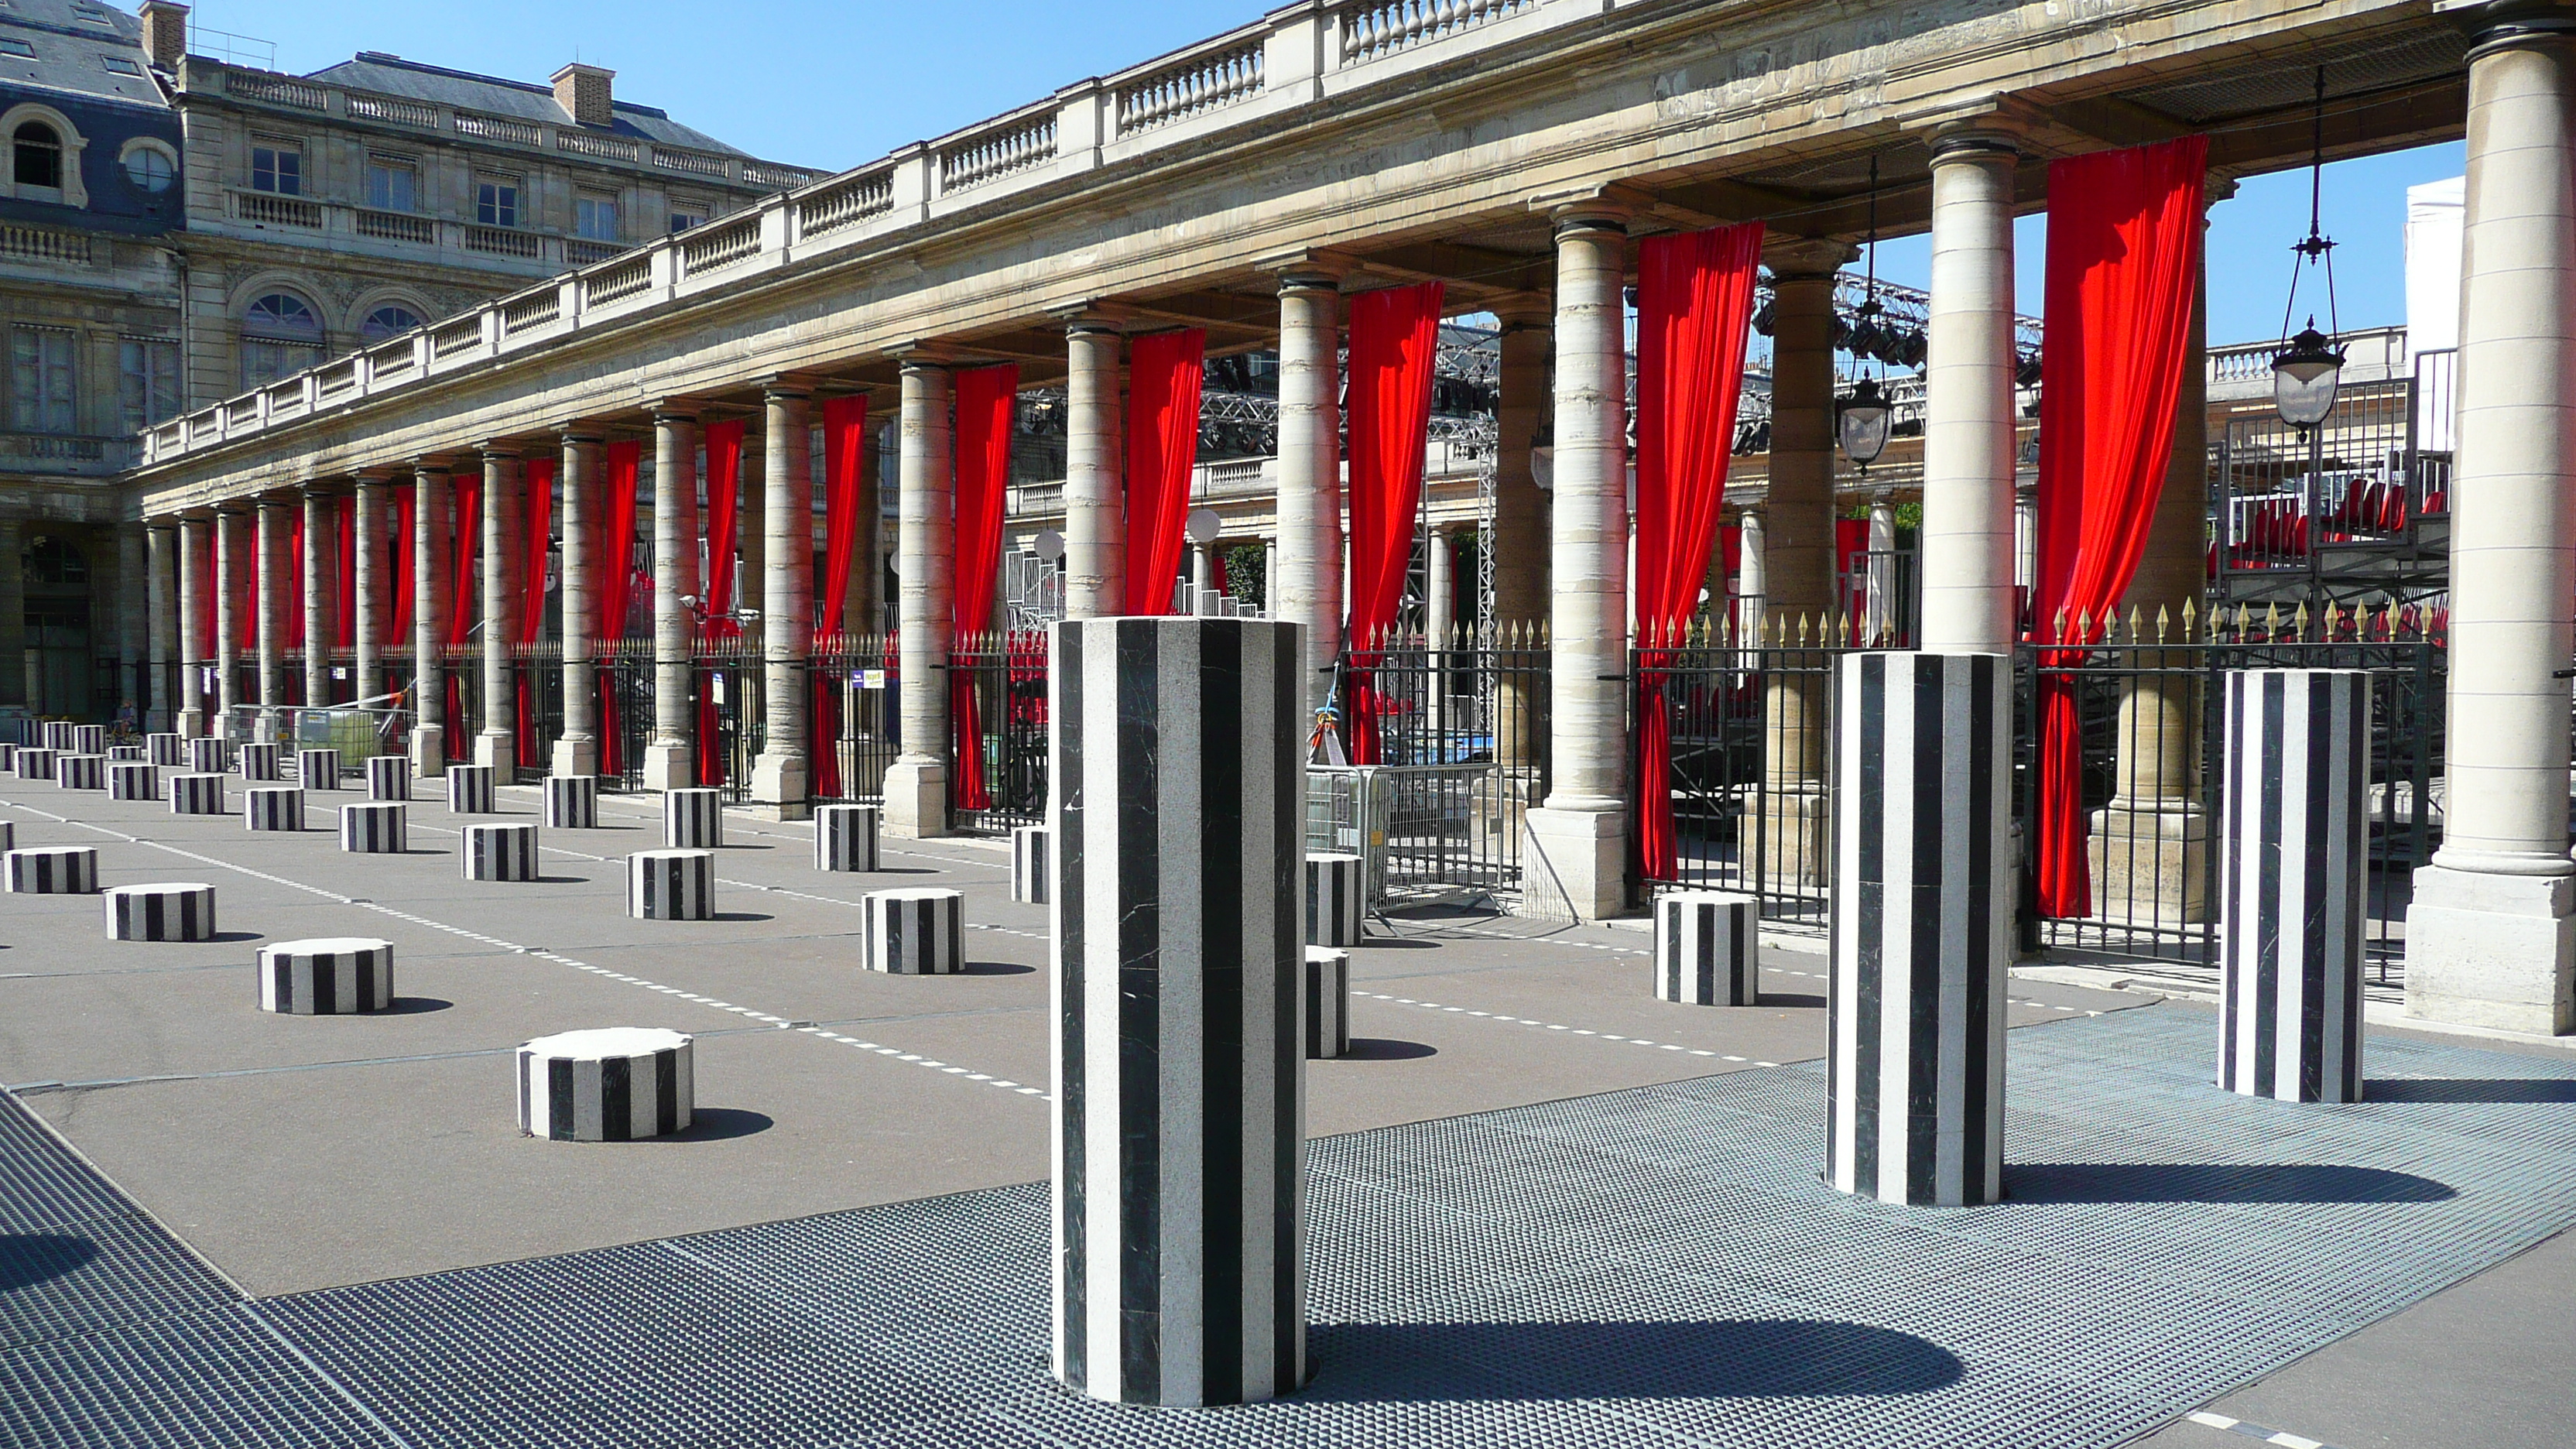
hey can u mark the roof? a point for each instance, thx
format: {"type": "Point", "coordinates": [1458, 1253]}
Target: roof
{"type": "Point", "coordinates": [374, 70]}
{"type": "Point", "coordinates": [71, 47]}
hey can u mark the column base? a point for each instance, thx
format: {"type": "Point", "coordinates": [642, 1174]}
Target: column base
{"type": "Point", "coordinates": [428, 751]}
{"type": "Point", "coordinates": [1574, 864]}
{"type": "Point", "coordinates": [575, 756]}
{"type": "Point", "coordinates": [916, 799]}
{"type": "Point", "coordinates": [2150, 862]}
{"type": "Point", "coordinates": [779, 782]}
{"type": "Point", "coordinates": [500, 752]}
{"type": "Point", "coordinates": [2492, 950]}
{"type": "Point", "coordinates": [670, 767]}
{"type": "Point", "coordinates": [1797, 847]}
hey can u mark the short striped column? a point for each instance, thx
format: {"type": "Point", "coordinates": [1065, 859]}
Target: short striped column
{"type": "Point", "coordinates": [8, 836]}
{"type": "Point", "coordinates": [81, 772]}
{"type": "Point", "coordinates": [1708, 948]}
{"type": "Point", "coordinates": [58, 735]}
{"type": "Point", "coordinates": [614, 1084]}
{"type": "Point", "coordinates": [1179, 1109]}
{"type": "Point", "coordinates": [9, 757]}
{"type": "Point", "coordinates": [273, 807]}
{"type": "Point", "coordinates": [2291, 886]}
{"type": "Point", "coordinates": [1328, 1003]}
{"type": "Point", "coordinates": [389, 777]}
{"type": "Point", "coordinates": [845, 837]}
{"type": "Point", "coordinates": [166, 749]}
{"type": "Point", "coordinates": [497, 852]}
{"type": "Point", "coordinates": [209, 755]}
{"type": "Point", "coordinates": [671, 885]}
{"type": "Point", "coordinates": [327, 976]}
{"type": "Point", "coordinates": [916, 932]}
{"type": "Point", "coordinates": [572, 802]}
{"type": "Point", "coordinates": [318, 769]}
{"type": "Point", "coordinates": [89, 739]}
{"type": "Point", "coordinates": [174, 911]}
{"type": "Point", "coordinates": [119, 754]}
{"type": "Point", "coordinates": [1334, 903]}
{"type": "Point", "coordinates": [378, 827]}
{"type": "Point", "coordinates": [133, 780]}
{"type": "Point", "coordinates": [53, 870]}
{"type": "Point", "coordinates": [197, 795]}
{"type": "Point", "coordinates": [693, 819]}
{"type": "Point", "coordinates": [469, 790]}
{"type": "Point", "coordinates": [1921, 927]}
{"type": "Point", "coordinates": [257, 761]}
{"type": "Point", "coordinates": [36, 762]}
{"type": "Point", "coordinates": [1030, 866]}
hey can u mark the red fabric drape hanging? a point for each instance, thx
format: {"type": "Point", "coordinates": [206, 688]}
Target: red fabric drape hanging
{"type": "Point", "coordinates": [1851, 561]}
{"type": "Point", "coordinates": [206, 603]}
{"type": "Point", "coordinates": [845, 433]}
{"type": "Point", "coordinates": [295, 582]}
{"type": "Point", "coordinates": [621, 462]}
{"type": "Point", "coordinates": [723, 524]}
{"type": "Point", "coordinates": [246, 619]}
{"type": "Point", "coordinates": [1730, 553]}
{"type": "Point", "coordinates": [464, 602]}
{"type": "Point", "coordinates": [538, 514]}
{"type": "Point", "coordinates": [1694, 314]}
{"type": "Point", "coordinates": [2124, 233]}
{"type": "Point", "coordinates": [398, 638]}
{"type": "Point", "coordinates": [710, 755]}
{"type": "Point", "coordinates": [344, 592]}
{"type": "Point", "coordinates": [984, 399]}
{"type": "Point", "coordinates": [1165, 372]}
{"type": "Point", "coordinates": [1394, 334]}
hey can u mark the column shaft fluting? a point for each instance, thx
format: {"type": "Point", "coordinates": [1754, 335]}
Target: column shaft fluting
{"type": "Point", "coordinates": [196, 541]}
{"type": "Point", "coordinates": [367, 672]}
{"type": "Point", "coordinates": [577, 752]}
{"type": "Point", "coordinates": [1966, 549]}
{"type": "Point", "coordinates": [503, 547]}
{"type": "Point", "coordinates": [779, 775]}
{"type": "Point", "coordinates": [320, 552]}
{"type": "Point", "coordinates": [161, 600]}
{"type": "Point", "coordinates": [667, 761]}
{"type": "Point", "coordinates": [1095, 501]}
{"type": "Point", "coordinates": [431, 566]}
{"type": "Point", "coordinates": [916, 789]}
{"type": "Point", "coordinates": [1310, 571]}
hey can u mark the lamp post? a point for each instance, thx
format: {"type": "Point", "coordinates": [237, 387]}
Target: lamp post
{"type": "Point", "coordinates": [2308, 370]}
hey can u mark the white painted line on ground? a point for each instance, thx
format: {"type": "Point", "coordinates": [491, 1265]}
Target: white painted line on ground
{"type": "Point", "coordinates": [2255, 1431]}
{"type": "Point", "coordinates": [1554, 1026]}
{"type": "Point", "coordinates": [2015, 1000]}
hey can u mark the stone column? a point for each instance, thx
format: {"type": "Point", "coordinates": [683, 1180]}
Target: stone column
{"type": "Point", "coordinates": [1752, 579]}
{"type": "Point", "coordinates": [1439, 611]}
{"type": "Point", "coordinates": [1577, 860]}
{"type": "Point", "coordinates": [577, 752]}
{"type": "Point", "coordinates": [1310, 572]}
{"type": "Point", "coordinates": [161, 602]}
{"type": "Point", "coordinates": [320, 585]}
{"type": "Point", "coordinates": [132, 597]}
{"type": "Point", "coordinates": [1966, 549]}
{"type": "Point", "coordinates": [778, 775]}
{"type": "Point", "coordinates": [432, 563]}
{"type": "Point", "coordinates": [232, 608]}
{"type": "Point", "coordinates": [275, 530]}
{"type": "Point", "coordinates": [1095, 498]}
{"type": "Point", "coordinates": [196, 540]}
{"type": "Point", "coordinates": [2491, 937]}
{"type": "Point", "coordinates": [1883, 605]}
{"type": "Point", "coordinates": [13, 614]}
{"type": "Point", "coordinates": [668, 763]}
{"type": "Point", "coordinates": [1520, 524]}
{"type": "Point", "coordinates": [916, 785]}
{"type": "Point", "coordinates": [367, 670]}
{"type": "Point", "coordinates": [504, 542]}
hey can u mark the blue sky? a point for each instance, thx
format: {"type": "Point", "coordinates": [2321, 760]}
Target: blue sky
{"type": "Point", "coordinates": [831, 83]}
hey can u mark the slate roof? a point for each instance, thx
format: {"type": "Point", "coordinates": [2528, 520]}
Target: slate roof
{"type": "Point", "coordinates": [70, 50]}
{"type": "Point", "coordinates": [374, 70]}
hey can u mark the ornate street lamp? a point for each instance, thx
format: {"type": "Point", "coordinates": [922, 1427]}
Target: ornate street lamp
{"type": "Point", "coordinates": [2308, 369]}
{"type": "Point", "coordinates": [1861, 415]}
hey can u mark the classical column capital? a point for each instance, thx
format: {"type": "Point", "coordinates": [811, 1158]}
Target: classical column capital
{"type": "Point", "coordinates": [578, 434]}
{"type": "Point", "coordinates": [1307, 268]}
{"type": "Point", "coordinates": [1793, 258]}
{"type": "Point", "coordinates": [1995, 125]}
{"type": "Point", "coordinates": [786, 386]}
{"type": "Point", "coordinates": [1095, 316]}
{"type": "Point", "coordinates": [502, 450]}
{"type": "Point", "coordinates": [1591, 216]}
{"type": "Point", "coordinates": [2502, 24]}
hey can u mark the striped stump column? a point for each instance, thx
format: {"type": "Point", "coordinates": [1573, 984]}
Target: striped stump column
{"type": "Point", "coordinates": [1030, 866]}
{"type": "Point", "coordinates": [89, 739]}
{"type": "Point", "coordinates": [469, 790]}
{"type": "Point", "coordinates": [1921, 927]}
{"type": "Point", "coordinates": [1180, 1064]}
{"type": "Point", "coordinates": [36, 762]}
{"type": "Point", "coordinates": [197, 795]}
{"type": "Point", "coordinates": [671, 885]}
{"type": "Point", "coordinates": [257, 761]}
{"type": "Point", "coordinates": [497, 852]}
{"type": "Point", "coordinates": [1328, 1004]}
{"type": "Point", "coordinates": [133, 780]}
{"type": "Point", "coordinates": [613, 1084]}
{"type": "Point", "coordinates": [209, 755]}
{"type": "Point", "coordinates": [915, 932]}
{"type": "Point", "coordinates": [389, 777]}
{"type": "Point", "coordinates": [2293, 873]}
{"type": "Point", "coordinates": [273, 807]}
{"type": "Point", "coordinates": [81, 772]}
{"type": "Point", "coordinates": [1708, 948]}
{"type": "Point", "coordinates": [166, 749]}
{"type": "Point", "coordinates": [845, 837]}
{"type": "Point", "coordinates": [1334, 903]}
{"type": "Point", "coordinates": [124, 754]}
{"type": "Point", "coordinates": [693, 819]}
{"type": "Point", "coordinates": [174, 911]}
{"type": "Point", "coordinates": [8, 837]}
{"type": "Point", "coordinates": [318, 769]}
{"type": "Point", "coordinates": [378, 827]}
{"type": "Point", "coordinates": [53, 870]}
{"type": "Point", "coordinates": [328, 976]}
{"type": "Point", "coordinates": [9, 757]}
{"type": "Point", "coordinates": [572, 802]}
{"type": "Point", "coordinates": [58, 735]}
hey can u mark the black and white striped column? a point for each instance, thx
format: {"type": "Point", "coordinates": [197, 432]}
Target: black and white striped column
{"type": "Point", "coordinates": [209, 755]}
{"type": "Point", "coordinates": [693, 819]}
{"type": "Point", "coordinates": [1179, 1182]}
{"type": "Point", "coordinates": [257, 761]}
{"type": "Point", "coordinates": [378, 827]}
{"type": "Point", "coordinates": [1708, 948]}
{"type": "Point", "coordinates": [614, 1084]}
{"type": "Point", "coordinates": [8, 837]}
{"type": "Point", "coordinates": [89, 740]}
{"type": "Point", "coordinates": [1031, 867]}
{"type": "Point", "coordinates": [81, 772]}
{"type": "Point", "coordinates": [1335, 900]}
{"type": "Point", "coordinates": [273, 807]}
{"type": "Point", "coordinates": [327, 976]}
{"type": "Point", "coordinates": [1328, 1003]}
{"type": "Point", "coordinates": [166, 749]}
{"type": "Point", "coordinates": [1921, 927]}
{"type": "Point", "coordinates": [123, 753]}
{"type": "Point", "coordinates": [173, 911]}
{"type": "Point", "coordinates": [58, 735]}
{"type": "Point", "coordinates": [845, 837]}
{"type": "Point", "coordinates": [671, 885]}
{"type": "Point", "coordinates": [53, 870]}
{"type": "Point", "coordinates": [389, 777]}
{"type": "Point", "coordinates": [35, 762]}
{"type": "Point", "coordinates": [318, 769]}
{"type": "Point", "coordinates": [497, 852]}
{"type": "Point", "coordinates": [572, 802]}
{"type": "Point", "coordinates": [916, 932]}
{"type": "Point", "coordinates": [469, 790]}
{"type": "Point", "coordinates": [197, 795]}
{"type": "Point", "coordinates": [2291, 885]}
{"type": "Point", "coordinates": [133, 780]}
{"type": "Point", "coordinates": [9, 757]}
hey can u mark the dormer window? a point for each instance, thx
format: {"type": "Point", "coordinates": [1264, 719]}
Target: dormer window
{"type": "Point", "coordinates": [119, 65]}
{"type": "Point", "coordinates": [18, 48]}
{"type": "Point", "coordinates": [36, 155]}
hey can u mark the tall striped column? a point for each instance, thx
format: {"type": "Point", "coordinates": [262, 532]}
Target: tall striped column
{"type": "Point", "coordinates": [1921, 927]}
{"type": "Point", "coordinates": [2290, 935]}
{"type": "Point", "coordinates": [1179, 961]}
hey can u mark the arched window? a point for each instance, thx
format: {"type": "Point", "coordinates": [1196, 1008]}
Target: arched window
{"type": "Point", "coordinates": [390, 320]}
{"type": "Point", "coordinates": [150, 169]}
{"type": "Point", "coordinates": [38, 155]}
{"type": "Point", "coordinates": [280, 336]}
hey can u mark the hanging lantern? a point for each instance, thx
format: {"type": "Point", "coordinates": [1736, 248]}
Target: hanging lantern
{"type": "Point", "coordinates": [2305, 377]}
{"type": "Point", "coordinates": [1861, 422]}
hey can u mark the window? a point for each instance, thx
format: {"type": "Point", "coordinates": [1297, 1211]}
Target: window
{"type": "Point", "coordinates": [683, 220]}
{"type": "Point", "coordinates": [147, 382]}
{"type": "Point", "coordinates": [388, 321]}
{"type": "Point", "coordinates": [119, 65]}
{"type": "Point", "coordinates": [595, 217]}
{"type": "Point", "coordinates": [277, 168]}
{"type": "Point", "coordinates": [280, 336]}
{"type": "Point", "coordinates": [150, 169]}
{"type": "Point", "coordinates": [92, 14]}
{"type": "Point", "coordinates": [41, 381]}
{"type": "Point", "coordinates": [18, 48]}
{"type": "Point", "coordinates": [38, 155]}
{"type": "Point", "coordinates": [392, 185]}
{"type": "Point", "coordinates": [496, 201]}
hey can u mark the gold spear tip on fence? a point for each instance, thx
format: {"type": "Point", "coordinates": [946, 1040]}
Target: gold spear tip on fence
{"type": "Point", "coordinates": [2300, 621]}
{"type": "Point", "coordinates": [2164, 623]}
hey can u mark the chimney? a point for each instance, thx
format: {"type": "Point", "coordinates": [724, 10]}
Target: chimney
{"type": "Point", "coordinates": [582, 92]}
{"type": "Point", "coordinates": [165, 32]}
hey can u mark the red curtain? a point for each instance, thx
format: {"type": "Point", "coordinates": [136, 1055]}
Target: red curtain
{"type": "Point", "coordinates": [246, 623]}
{"type": "Point", "coordinates": [206, 603]}
{"type": "Point", "coordinates": [1394, 334]}
{"type": "Point", "coordinates": [1851, 561]}
{"type": "Point", "coordinates": [845, 433]}
{"type": "Point", "coordinates": [723, 525]}
{"type": "Point", "coordinates": [710, 755]}
{"type": "Point", "coordinates": [406, 519]}
{"type": "Point", "coordinates": [1165, 371]}
{"type": "Point", "coordinates": [2123, 250]}
{"type": "Point", "coordinates": [539, 481]}
{"type": "Point", "coordinates": [295, 582]}
{"type": "Point", "coordinates": [984, 399]}
{"type": "Point", "coordinates": [344, 594]}
{"type": "Point", "coordinates": [1694, 313]}
{"type": "Point", "coordinates": [616, 584]}
{"type": "Point", "coordinates": [464, 604]}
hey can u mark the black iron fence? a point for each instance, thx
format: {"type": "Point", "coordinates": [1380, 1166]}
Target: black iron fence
{"type": "Point", "coordinates": [855, 724]}
{"type": "Point", "coordinates": [997, 770]}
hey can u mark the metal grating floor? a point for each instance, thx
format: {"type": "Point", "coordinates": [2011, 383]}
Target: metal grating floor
{"type": "Point", "coordinates": [1650, 1267]}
